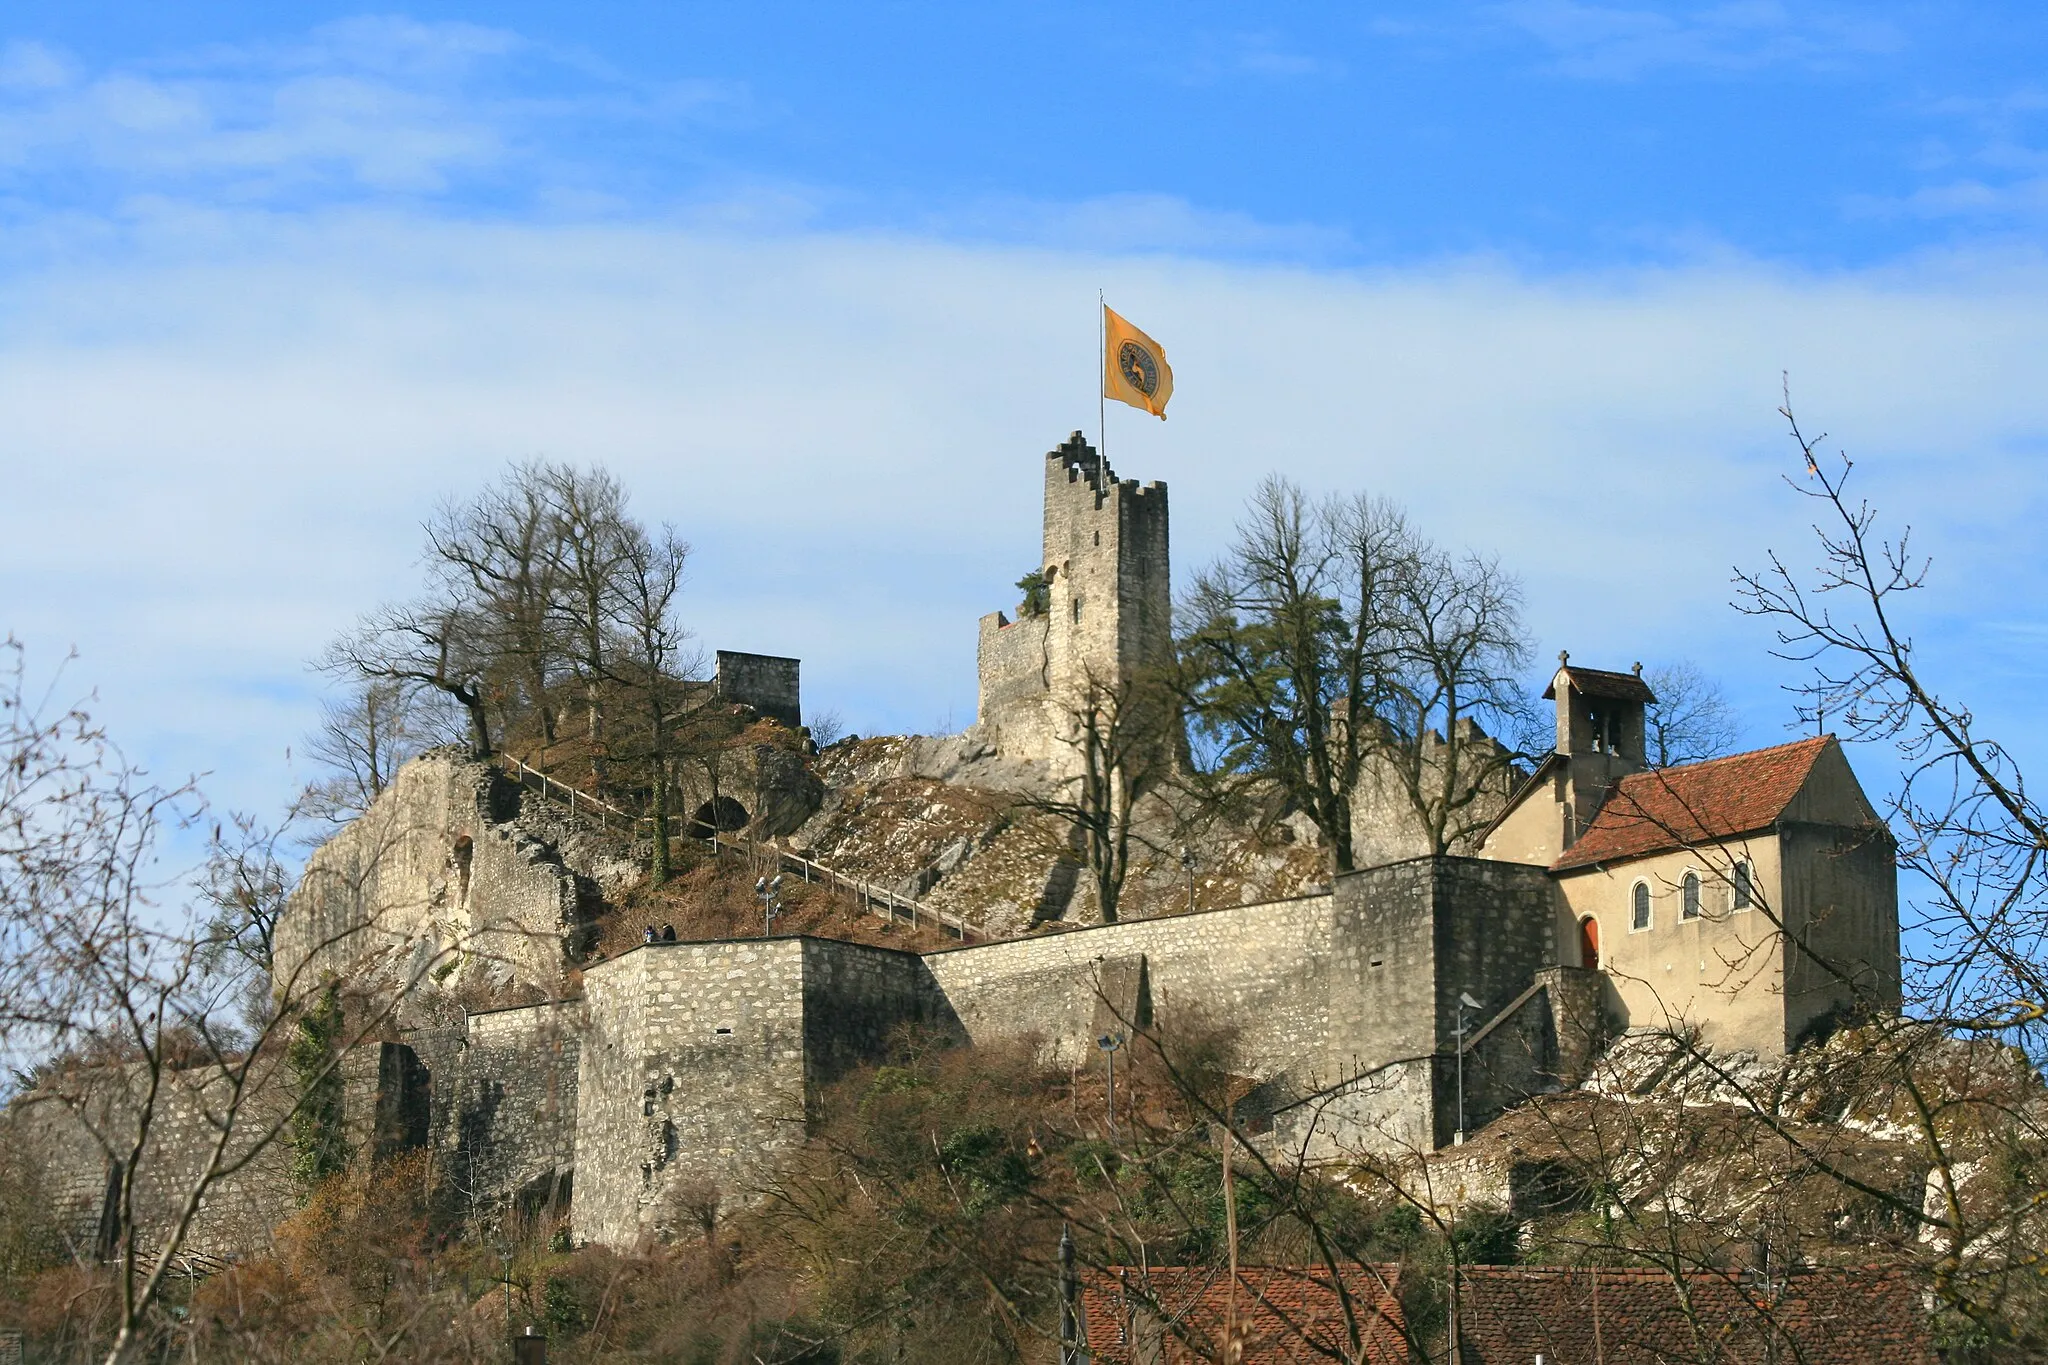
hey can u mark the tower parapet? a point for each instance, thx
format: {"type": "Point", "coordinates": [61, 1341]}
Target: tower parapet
{"type": "Point", "coordinates": [1105, 612]}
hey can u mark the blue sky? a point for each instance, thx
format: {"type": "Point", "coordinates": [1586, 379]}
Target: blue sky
{"type": "Point", "coordinates": [818, 282]}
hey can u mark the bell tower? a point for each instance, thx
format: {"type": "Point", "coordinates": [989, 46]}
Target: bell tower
{"type": "Point", "coordinates": [1600, 734]}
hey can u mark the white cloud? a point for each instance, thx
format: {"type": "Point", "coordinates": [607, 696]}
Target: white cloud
{"type": "Point", "coordinates": [218, 434]}
{"type": "Point", "coordinates": [373, 105]}
{"type": "Point", "coordinates": [1258, 54]}
{"type": "Point", "coordinates": [1138, 223]}
{"type": "Point", "coordinates": [1617, 42]}
{"type": "Point", "coordinates": [2000, 173]}
{"type": "Point", "coordinates": [26, 66]}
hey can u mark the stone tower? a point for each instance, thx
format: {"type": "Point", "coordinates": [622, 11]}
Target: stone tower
{"type": "Point", "coordinates": [1106, 611]}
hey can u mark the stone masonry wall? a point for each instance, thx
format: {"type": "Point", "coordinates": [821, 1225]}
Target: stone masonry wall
{"type": "Point", "coordinates": [504, 1120]}
{"type": "Point", "coordinates": [691, 1076]}
{"type": "Point", "coordinates": [767, 682]}
{"type": "Point", "coordinates": [1424, 932]}
{"type": "Point", "coordinates": [856, 998]}
{"type": "Point", "coordinates": [1384, 825]}
{"type": "Point", "coordinates": [1105, 557]}
{"type": "Point", "coordinates": [1495, 930]}
{"type": "Point", "coordinates": [72, 1142]}
{"type": "Point", "coordinates": [1014, 667]}
{"type": "Point", "coordinates": [1264, 970]}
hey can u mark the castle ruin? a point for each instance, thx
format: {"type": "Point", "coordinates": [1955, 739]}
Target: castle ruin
{"type": "Point", "coordinates": [1752, 898]}
{"type": "Point", "coordinates": [1102, 616]}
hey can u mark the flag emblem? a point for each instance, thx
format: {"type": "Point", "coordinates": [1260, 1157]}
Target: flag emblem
{"type": "Point", "coordinates": [1134, 368]}
{"type": "Point", "coordinates": [1140, 367]}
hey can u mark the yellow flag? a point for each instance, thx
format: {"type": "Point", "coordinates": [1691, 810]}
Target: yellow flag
{"type": "Point", "coordinates": [1134, 368]}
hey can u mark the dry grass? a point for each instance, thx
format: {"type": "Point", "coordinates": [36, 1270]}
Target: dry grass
{"type": "Point", "coordinates": [713, 898]}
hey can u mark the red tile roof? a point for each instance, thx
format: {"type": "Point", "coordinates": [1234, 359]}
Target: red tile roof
{"type": "Point", "coordinates": [1290, 1314]}
{"type": "Point", "coordinates": [1668, 808]}
{"type": "Point", "coordinates": [1600, 682]}
{"type": "Point", "coordinates": [1828, 1316]}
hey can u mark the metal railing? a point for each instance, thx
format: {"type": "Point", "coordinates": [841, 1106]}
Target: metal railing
{"type": "Point", "coordinates": [578, 802]}
{"type": "Point", "coordinates": [890, 905]}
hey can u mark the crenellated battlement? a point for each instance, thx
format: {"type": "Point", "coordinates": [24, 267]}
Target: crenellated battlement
{"type": "Point", "coordinates": [1106, 607]}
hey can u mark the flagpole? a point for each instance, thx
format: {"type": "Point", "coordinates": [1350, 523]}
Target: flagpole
{"type": "Point", "coordinates": [1101, 379]}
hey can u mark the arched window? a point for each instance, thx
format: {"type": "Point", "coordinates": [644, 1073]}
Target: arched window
{"type": "Point", "coordinates": [1689, 896]}
{"type": "Point", "coordinates": [1589, 942]}
{"type": "Point", "coordinates": [1741, 896]}
{"type": "Point", "coordinates": [1639, 907]}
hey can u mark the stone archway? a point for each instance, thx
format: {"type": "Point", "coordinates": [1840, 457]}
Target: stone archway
{"type": "Point", "coordinates": [721, 814]}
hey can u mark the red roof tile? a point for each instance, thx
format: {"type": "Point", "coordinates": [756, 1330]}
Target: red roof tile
{"type": "Point", "coordinates": [1290, 1314]}
{"type": "Point", "coordinates": [1830, 1316]}
{"type": "Point", "coordinates": [1668, 808]}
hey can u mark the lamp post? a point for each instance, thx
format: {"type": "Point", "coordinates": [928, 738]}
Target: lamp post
{"type": "Point", "coordinates": [771, 900]}
{"type": "Point", "coordinates": [1070, 1293]}
{"type": "Point", "coordinates": [1109, 1043]}
{"type": "Point", "coordinates": [1187, 862]}
{"type": "Point", "coordinates": [1465, 1002]}
{"type": "Point", "coordinates": [504, 1249]}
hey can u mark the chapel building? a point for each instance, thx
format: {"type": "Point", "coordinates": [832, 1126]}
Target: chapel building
{"type": "Point", "coordinates": [1754, 897]}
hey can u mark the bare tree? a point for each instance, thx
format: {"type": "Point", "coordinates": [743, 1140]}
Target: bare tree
{"type": "Point", "coordinates": [246, 887]}
{"type": "Point", "coordinates": [1970, 837]}
{"type": "Point", "coordinates": [497, 554]}
{"type": "Point", "coordinates": [649, 660]}
{"type": "Point", "coordinates": [115, 1001]}
{"type": "Point", "coordinates": [1290, 636]}
{"type": "Point", "coordinates": [436, 643]}
{"type": "Point", "coordinates": [1691, 719]}
{"type": "Point", "coordinates": [362, 741]}
{"type": "Point", "coordinates": [1968, 827]}
{"type": "Point", "coordinates": [589, 536]}
{"type": "Point", "coordinates": [1461, 647]}
{"type": "Point", "coordinates": [1332, 643]}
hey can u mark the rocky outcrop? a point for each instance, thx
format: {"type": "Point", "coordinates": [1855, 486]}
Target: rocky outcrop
{"type": "Point", "coordinates": [456, 880]}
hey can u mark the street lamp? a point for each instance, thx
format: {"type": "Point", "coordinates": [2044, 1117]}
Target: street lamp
{"type": "Point", "coordinates": [1465, 1002]}
{"type": "Point", "coordinates": [504, 1249]}
{"type": "Point", "coordinates": [771, 900]}
{"type": "Point", "coordinates": [1109, 1043]}
{"type": "Point", "coordinates": [1187, 862]}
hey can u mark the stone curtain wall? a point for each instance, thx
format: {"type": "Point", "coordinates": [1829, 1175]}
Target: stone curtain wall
{"type": "Point", "coordinates": [70, 1167]}
{"type": "Point", "coordinates": [1495, 929]}
{"type": "Point", "coordinates": [1265, 971]}
{"type": "Point", "coordinates": [691, 1076]}
{"type": "Point", "coordinates": [857, 998]}
{"type": "Point", "coordinates": [66, 1143]}
{"type": "Point", "coordinates": [503, 1121]}
{"type": "Point", "coordinates": [1014, 663]}
{"type": "Point", "coordinates": [1317, 991]}
{"type": "Point", "coordinates": [1416, 935]}
{"type": "Point", "coordinates": [767, 682]}
{"type": "Point", "coordinates": [1384, 825]}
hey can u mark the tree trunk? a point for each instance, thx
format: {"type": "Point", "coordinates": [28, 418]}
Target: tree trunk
{"type": "Point", "coordinates": [479, 720]}
{"type": "Point", "coordinates": [540, 703]}
{"type": "Point", "coordinates": [660, 813]}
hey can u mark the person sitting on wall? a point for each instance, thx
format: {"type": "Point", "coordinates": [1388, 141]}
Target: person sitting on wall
{"type": "Point", "coordinates": [650, 933]}
{"type": "Point", "coordinates": [668, 933]}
